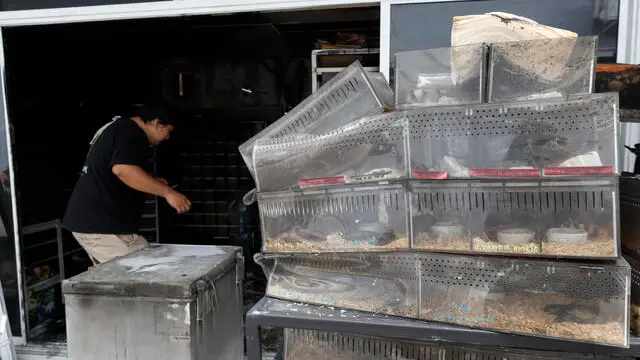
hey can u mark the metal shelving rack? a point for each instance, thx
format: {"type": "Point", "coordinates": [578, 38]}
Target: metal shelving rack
{"type": "Point", "coordinates": [270, 312]}
{"type": "Point", "coordinates": [212, 175]}
{"type": "Point", "coordinates": [150, 227]}
{"type": "Point", "coordinates": [40, 243]}
{"type": "Point", "coordinates": [318, 71]}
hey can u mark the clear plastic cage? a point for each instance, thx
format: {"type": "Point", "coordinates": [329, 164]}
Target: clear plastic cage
{"type": "Point", "coordinates": [551, 299]}
{"type": "Point", "coordinates": [348, 96]}
{"type": "Point", "coordinates": [302, 344]}
{"type": "Point", "coordinates": [378, 283]}
{"type": "Point", "coordinates": [541, 218]}
{"type": "Point", "coordinates": [630, 215]}
{"type": "Point", "coordinates": [370, 149]}
{"type": "Point", "coordinates": [545, 68]}
{"type": "Point", "coordinates": [442, 76]}
{"type": "Point", "coordinates": [340, 219]}
{"type": "Point", "coordinates": [572, 301]}
{"type": "Point", "coordinates": [576, 136]}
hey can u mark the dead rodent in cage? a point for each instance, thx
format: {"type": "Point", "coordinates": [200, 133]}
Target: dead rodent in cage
{"type": "Point", "coordinates": [341, 288]}
{"type": "Point", "coordinates": [547, 148]}
{"type": "Point", "coordinates": [533, 149]}
{"type": "Point", "coordinates": [530, 300]}
{"type": "Point", "coordinates": [586, 234]}
{"type": "Point", "coordinates": [333, 232]}
{"type": "Point", "coordinates": [374, 234]}
{"type": "Point", "coordinates": [590, 225]}
{"type": "Point", "coordinates": [299, 235]}
{"type": "Point", "coordinates": [439, 231]}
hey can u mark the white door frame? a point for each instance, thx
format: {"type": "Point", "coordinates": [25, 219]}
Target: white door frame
{"type": "Point", "coordinates": [164, 9]}
{"type": "Point", "coordinates": [22, 339]}
{"type": "Point", "coordinates": [629, 53]}
{"type": "Point", "coordinates": [629, 32]}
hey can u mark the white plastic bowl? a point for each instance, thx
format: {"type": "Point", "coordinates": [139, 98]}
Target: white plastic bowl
{"type": "Point", "coordinates": [447, 231]}
{"type": "Point", "coordinates": [515, 236]}
{"type": "Point", "coordinates": [569, 236]}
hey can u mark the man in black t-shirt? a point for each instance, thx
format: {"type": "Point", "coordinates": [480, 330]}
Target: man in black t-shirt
{"type": "Point", "coordinates": [106, 206]}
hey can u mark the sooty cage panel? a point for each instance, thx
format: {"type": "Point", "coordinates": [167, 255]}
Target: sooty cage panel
{"type": "Point", "coordinates": [563, 300]}
{"type": "Point", "coordinates": [541, 218]}
{"type": "Point", "coordinates": [302, 344]}
{"type": "Point", "coordinates": [370, 149]}
{"type": "Point", "coordinates": [629, 215]}
{"type": "Point", "coordinates": [635, 294]}
{"type": "Point", "coordinates": [339, 219]}
{"type": "Point", "coordinates": [575, 136]}
{"type": "Point", "coordinates": [348, 96]}
{"type": "Point", "coordinates": [551, 299]}
{"type": "Point", "coordinates": [441, 76]}
{"type": "Point", "coordinates": [384, 283]}
{"type": "Point", "coordinates": [557, 67]}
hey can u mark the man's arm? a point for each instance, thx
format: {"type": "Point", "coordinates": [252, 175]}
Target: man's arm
{"type": "Point", "coordinates": [138, 179]}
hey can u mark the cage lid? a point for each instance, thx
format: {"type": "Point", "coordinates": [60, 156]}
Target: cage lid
{"type": "Point", "coordinates": [159, 271]}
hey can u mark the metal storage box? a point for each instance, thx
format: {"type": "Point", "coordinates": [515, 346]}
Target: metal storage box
{"type": "Point", "coordinates": [369, 149]}
{"type": "Point", "coordinates": [172, 302]}
{"type": "Point", "coordinates": [348, 96]}
{"type": "Point", "coordinates": [303, 344]}
{"type": "Point", "coordinates": [442, 76]}
{"type": "Point", "coordinates": [339, 219]}
{"type": "Point", "coordinates": [551, 299]}
{"type": "Point", "coordinates": [542, 218]}
{"type": "Point", "coordinates": [575, 136]}
{"type": "Point", "coordinates": [545, 68]}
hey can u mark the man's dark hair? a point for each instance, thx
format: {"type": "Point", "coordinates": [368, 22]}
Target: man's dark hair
{"type": "Point", "coordinates": [151, 112]}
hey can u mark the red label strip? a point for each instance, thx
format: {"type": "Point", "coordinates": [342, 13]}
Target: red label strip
{"type": "Point", "coordinates": [429, 175]}
{"type": "Point", "coordinates": [578, 171]}
{"type": "Point", "coordinates": [503, 173]}
{"type": "Point", "coordinates": [327, 180]}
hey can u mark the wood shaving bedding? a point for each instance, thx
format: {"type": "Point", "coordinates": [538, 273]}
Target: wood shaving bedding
{"type": "Point", "coordinates": [333, 243]}
{"type": "Point", "coordinates": [522, 313]}
{"type": "Point", "coordinates": [598, 248]}
{"type": "Point", "coordinates": [429, 242]}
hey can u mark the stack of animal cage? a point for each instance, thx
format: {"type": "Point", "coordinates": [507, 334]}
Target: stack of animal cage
{"type": "Point", "coordinates": [486, 199]}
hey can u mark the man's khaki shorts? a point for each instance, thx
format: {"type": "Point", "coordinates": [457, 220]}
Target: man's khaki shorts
{"type": "Point", "coordinates": [103, 247]}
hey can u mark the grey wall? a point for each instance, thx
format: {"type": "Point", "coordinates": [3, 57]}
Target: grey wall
{"type": "Point", "coordinates": [428, 25]}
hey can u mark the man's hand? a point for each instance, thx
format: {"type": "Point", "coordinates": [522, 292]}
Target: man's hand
{"type": "Point", "coordinates": [178, 202]}
{"type": "Point", "coordinates": [136, 178]}
{"type": "Point", "coordinates": [164, 181]}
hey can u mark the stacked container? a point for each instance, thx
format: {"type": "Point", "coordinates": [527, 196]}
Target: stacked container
{"type": "Point", "coordinates": [487, 199]}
